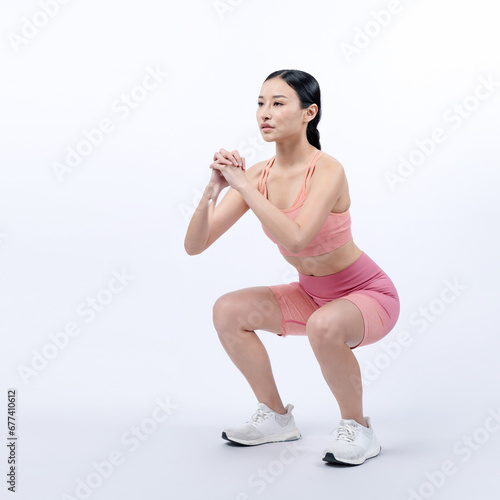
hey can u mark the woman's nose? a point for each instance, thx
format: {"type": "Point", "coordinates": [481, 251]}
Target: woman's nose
{"type": "Point", "coordinates": [264, 113]}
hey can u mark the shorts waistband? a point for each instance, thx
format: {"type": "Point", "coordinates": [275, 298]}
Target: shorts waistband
{"type": "Point", "coordinates": [355, 276]}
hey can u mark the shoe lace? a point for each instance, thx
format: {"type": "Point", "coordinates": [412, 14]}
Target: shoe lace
{"type": "Point", "coordinates": [259, 416]}
{"type": "Point", "coordinates": [346, 432]}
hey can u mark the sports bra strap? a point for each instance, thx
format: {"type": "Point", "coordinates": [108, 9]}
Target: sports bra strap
{"type": "Point", "coordinates": [307, 174]}
{"type": "Point", "coordinates": [310, 169]}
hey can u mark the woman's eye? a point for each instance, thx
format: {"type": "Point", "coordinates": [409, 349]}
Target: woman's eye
{"type": "Point", "coordinates": [260, 103]}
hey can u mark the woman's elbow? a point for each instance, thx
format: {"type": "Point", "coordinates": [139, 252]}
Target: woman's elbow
{"type": "Point", "coordinates": [296, 245]}
{"type": "Point", "coordinates": [191, 251]}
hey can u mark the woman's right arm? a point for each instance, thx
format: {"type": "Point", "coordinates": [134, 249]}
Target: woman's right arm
{"type": "Point", "coordinates": [199, 227]}
{"type": "Point", "coordinates": [210, 222]}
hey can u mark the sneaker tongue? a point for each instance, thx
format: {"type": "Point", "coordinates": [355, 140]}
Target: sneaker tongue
{"type": "Point", "coordinates": [349, 421]}
{"type": "Point", "coordinates": [264, 409]}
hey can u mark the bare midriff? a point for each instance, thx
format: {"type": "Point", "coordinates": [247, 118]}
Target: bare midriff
{"type": "Point", "coordinates": [328, 263]}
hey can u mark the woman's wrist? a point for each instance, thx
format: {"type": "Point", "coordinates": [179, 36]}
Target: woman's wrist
{"type": "Point", "coordinates": [210, 192]}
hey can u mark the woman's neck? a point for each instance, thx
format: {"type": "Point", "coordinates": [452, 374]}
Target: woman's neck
{"type": "Point", "coordinates": [292, 154]}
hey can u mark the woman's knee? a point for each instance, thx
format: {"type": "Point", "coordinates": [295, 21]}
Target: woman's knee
{"type": "Point", "coordinates": [325, 330]}
{"type": "Point", "coordinates": [247, 310]}
{"type": "Point", "coordinates": [223, 311]}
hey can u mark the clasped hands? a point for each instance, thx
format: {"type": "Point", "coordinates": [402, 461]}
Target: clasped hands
{"type": "Point", "coordinates": [231, 166]}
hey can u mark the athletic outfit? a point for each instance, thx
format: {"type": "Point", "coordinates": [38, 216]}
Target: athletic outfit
{"type": "Point", "coordinates": [363, 283]}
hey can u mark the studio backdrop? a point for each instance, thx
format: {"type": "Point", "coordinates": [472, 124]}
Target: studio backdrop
{"type": "Point", "coordinates": [114, 381]}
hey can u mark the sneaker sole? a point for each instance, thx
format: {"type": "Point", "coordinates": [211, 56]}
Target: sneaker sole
{"type": "Point", "coordinates": [330, 457]}
{"type": "Point", "coordinates": [291, 436]}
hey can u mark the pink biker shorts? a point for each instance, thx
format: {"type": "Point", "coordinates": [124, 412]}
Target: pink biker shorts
{"type": "Point", "coordinates": [363, 283]}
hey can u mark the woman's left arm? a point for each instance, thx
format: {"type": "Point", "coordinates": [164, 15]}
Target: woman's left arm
{"type": "Point", "coordinates": [283, 229]}
{"type": "Point", "coordinates": [293, 234]}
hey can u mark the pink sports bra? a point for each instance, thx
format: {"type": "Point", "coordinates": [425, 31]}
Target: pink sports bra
{"type": "Point", "coordinates": [335, 232]}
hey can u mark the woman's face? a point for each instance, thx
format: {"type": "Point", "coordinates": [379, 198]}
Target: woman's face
{"type": "Point", "coordinates": [279, 107]}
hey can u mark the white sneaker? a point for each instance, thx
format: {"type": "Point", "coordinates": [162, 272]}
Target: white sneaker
{"type": "Point", "coordinates": [354, 443]}
{"type": "Point", "coordinates": [265, 426]}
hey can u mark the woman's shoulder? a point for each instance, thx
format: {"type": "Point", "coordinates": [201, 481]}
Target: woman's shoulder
{"type": "Point", "coordinates": [326, 161]}
{"type": "Point", "coordinates": [257, 168]}
{"type": "Point", "coordinates": [254, 173]}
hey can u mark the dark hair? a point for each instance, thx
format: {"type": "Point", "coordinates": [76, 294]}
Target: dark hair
{"type": "Point", "coordinates": [309, 93]}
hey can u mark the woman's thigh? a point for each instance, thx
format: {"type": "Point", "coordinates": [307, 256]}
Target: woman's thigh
{"type": "Point", "coordinates": [252, 308]}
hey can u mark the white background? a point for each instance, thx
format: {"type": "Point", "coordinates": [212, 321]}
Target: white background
{"type": "Point", "coordinates": [127, 205]}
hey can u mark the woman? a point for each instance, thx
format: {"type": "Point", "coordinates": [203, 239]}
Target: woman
{"type": "Point", "coordinates": [342, 300]}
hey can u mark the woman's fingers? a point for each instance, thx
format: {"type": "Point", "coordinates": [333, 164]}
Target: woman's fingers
{"type": "Point", "coordinates": [234, 156]}
{"type": "Point", "coordinates": [219, 157]}
{"type": "Point", "coordinates": [229, 158]}
{"type": "Point", "coordinates": [222, 159]}
{"type": "Point", "coordinates": [222, 156]}
{"type": "Point", "coordinates": [238, 157]}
